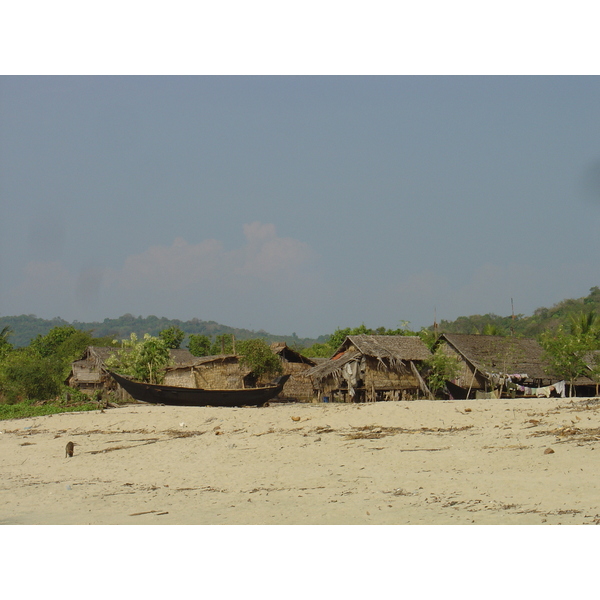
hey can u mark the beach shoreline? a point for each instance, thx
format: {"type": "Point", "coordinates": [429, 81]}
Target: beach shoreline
{"type": "Point", "coordinates": [494, 462]}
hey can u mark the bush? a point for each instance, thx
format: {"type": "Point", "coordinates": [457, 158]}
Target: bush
{"type": "Point", "coordinates": [258, 357]}
{"type": "Point", "coordinates": [25, 376]}
{"type": "Point", "coordinates": [199, 345]}
{"type": "Point", "coordinates": [143, 360]}
{"type": "Point", "coordinates": [441, 368]}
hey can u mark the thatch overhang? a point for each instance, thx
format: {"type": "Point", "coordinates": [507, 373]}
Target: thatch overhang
{"type": "Point", "coordinates": [331, 367]}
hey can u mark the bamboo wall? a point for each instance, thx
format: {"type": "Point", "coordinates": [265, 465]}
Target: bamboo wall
{"type": "Point", "coordinates": [183, 377]}
{"type": "Point", "coordinates": [298, 387]}
{"type": "Point", "coordinates": [220, 375]}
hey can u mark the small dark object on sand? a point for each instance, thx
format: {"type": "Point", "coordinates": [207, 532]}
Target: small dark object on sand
{"type": "Point", "coordinates": [69, 450]}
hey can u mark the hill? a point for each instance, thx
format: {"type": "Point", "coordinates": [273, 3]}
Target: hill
{"type": "Point", "coordinates": [27, 327]}
{"type": "Point", "coordinates": [542, 319]}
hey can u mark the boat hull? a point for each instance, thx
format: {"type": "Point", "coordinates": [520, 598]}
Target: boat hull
{"type": "Point", "coordinates": [180, 396]}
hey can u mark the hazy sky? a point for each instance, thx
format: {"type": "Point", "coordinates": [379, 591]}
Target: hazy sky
{"type": "Point", "coordinates": [297, 204]}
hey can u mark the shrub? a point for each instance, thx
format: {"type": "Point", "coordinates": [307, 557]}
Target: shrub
{"type": "Point", "coordinates": [26, 376]}
{"type": "Point", "coordinates": [143, 360]}
{"type": "Point", "coordinates": [258, 357]}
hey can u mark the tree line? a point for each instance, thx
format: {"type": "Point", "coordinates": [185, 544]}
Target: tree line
{"type": "Point", "coordinates": [37, 372]}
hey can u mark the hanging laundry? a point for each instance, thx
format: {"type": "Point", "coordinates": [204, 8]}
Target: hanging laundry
{"type": "Point", "coordinates": [560, 388]}
{"type": "Point", "coordinates": [544, 392]}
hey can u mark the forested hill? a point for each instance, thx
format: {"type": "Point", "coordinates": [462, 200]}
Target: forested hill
{"type": "Point", "coordinates": [26, 327]}
{"type": "Point", "coordinates": [541, 320]}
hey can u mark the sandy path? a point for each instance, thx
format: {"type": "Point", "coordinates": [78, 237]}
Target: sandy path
{"type": "Point", "coordinates": [458, 462]}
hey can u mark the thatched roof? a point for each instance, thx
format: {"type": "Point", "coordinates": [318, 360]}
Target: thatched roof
{"type": "Point", "coordinates": [390, 350]}
{"type": "Point", "coordinates": [196, 361]}
{"type": "Point", "coordinates": [330, 366]}
{"type": "Point", "coordinates": [285, 352]}
{"type": "Point", "coordinates": [394, 348]}
{"type": "Point", "coordinates": [500, 355]}
{"type": "Point", "coordinates": [181, 356]}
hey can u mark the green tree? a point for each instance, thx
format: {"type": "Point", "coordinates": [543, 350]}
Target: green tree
{"type": "Point", "coordinates": [51, 343]}
{"type": "Point", "coordinates": [5, 345]}
{"type": "Point", "coordinates": [493, 329]}
{"type": "Point", "coordinates": [258, 356]}
{"type": "Point", "coordinates": [199, 345]}
{"type": "Point", "coordinates": [24, 375]}
{"type": "Point", "coordinates": [429, 338]}
{"type": "Point", "coordinates": [143, 360]}
{"type": "Point", "coordinates": [593, 362]}
{"type": "Point", "coordinates": [223, 344]}
{"type": "Point", "coordinates": [172, 336]}
{"type": "Point", "coordinates": [318, 351]}
{"type": "Point", "coordinates": [39, 371]}
{"type": "Point", "coordinates": [566, 353]}
{"type": "Point", "coordinates": [440, 368]}
{"type": "Point", "coordinates": [585, 323]}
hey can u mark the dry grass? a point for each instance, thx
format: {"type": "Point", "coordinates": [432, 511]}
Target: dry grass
{"type": "Point", "coordinates": [373, 432]}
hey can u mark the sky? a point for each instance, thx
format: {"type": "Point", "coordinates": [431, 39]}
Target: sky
{"type": "Point", "coordinates": [298, 169]}
{"type": "Point", "coordinates": [297, 203]}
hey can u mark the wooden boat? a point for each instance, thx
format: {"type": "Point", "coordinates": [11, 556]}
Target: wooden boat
{"type": "Point", "coordinates": [182, 396]}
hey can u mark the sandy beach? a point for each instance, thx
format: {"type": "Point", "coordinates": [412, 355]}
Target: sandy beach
{"type": "Point", "coordinates": [522, 461]}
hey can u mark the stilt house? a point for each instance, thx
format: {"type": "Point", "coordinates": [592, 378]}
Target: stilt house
{"type": "Point", "coordinates": [367, 368]}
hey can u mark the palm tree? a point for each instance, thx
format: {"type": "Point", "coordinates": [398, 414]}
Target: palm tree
{"type": "Point", "coordinates": [584, 323]}
{"type": "Point", "coordinates": [492, 329]}
{"type": "Point", "coordinates": [4, 335]}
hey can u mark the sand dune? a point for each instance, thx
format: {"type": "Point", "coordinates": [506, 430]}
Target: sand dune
{"type": "Point", "coordinates": [518, 461]}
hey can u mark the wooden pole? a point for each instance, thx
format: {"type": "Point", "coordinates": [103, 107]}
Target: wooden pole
{"type": "Point", "coordinates": [472, 380]}
{"type": "Point", "coordinates": [512, 327]}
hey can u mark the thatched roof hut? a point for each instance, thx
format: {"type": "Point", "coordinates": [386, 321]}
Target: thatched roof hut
{"type": "Point", "coordinates": [489, 362]}
{"type": "Point", "coordinates": [372, 367]}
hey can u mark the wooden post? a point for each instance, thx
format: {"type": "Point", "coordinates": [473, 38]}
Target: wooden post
{"type": "Point", "coordinates": [472, 380]}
